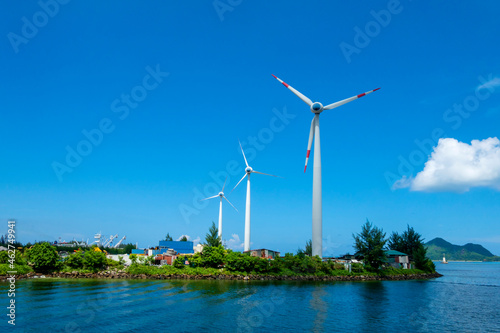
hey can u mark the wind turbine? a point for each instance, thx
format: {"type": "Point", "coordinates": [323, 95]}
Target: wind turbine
{"type": "Point", "coordinates": [220, 195]}
{"type": "Point", "coordinates": [248, 172]}
{"type": "Point", "coordinates": [317, 108]}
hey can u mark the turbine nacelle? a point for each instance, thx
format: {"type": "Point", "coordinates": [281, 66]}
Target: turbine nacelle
{"type": "Point", "coordinates": [248, 170]}
{"type": "Point", "coordinates": [316, 107]}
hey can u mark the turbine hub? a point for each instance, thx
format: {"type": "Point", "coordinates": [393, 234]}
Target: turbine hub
{"type": "Point", "coordinates": [221, 194]}
{"type": "Point", "coordinates": [248, 170]}
{"type": "Point", "coordinates": [317, 107]}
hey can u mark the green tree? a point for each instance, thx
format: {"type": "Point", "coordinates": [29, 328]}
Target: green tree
{"type": "Point", "coordinates": [168, 237]}
{"type": "Point", "coordinates": [408, 242]}
{"type": "Point", "coordinates": [412, 243]}
{"type": "Point", "coordinates": [19, 258]}
{"type": "Point", "coordinates": [150, 260]}
{"type": "Point", "coordinates": [195, 260]}
{"type": "Point", "coordinates": [307, 251]}
{"type": "Point", "coordinates": [75, 260]}
{"type": "Point", "coordinates": [94, 260]}
{"type": "Point", "coordinates": [183, 239]}
{"type": "Point", "coordinates": [370, 244]}
{"type": "Point", "coordinates": [4, 257]}
{"type": "Point", "coordinates": [212, 239]}
{"type": "Point", "coordinates": [128, 248]}
{"type": "Point", "coordinates": [43, 257]}
{"type": "Point", "coordinates": [213, 256]}
{"type": "Point", "coordinates": [239, 262]}
{"type": "Point", "coordinates": [133, 258]}
{"type": "Point", "coordinates": [179, 262]}
{"type": "Point", "coordinates": [421, 260]}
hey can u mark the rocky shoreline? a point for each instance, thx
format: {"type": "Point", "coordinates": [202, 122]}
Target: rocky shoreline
{"type": "Point", "coordinates": [123, 275]}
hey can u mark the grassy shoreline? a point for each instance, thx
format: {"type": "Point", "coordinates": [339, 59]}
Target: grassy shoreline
{"type": "Point", "coordinates": [189, 273]}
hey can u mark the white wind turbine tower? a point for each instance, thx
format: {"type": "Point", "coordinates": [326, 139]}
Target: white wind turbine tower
{"type": "Point", "coordinates": [317, 108]}
{"type": "Point", "coordinates": [248, 171]}
{"type": "Point", "coordinates": [220, 195]}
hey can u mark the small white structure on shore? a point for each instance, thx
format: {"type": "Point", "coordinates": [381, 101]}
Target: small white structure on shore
{"type": "Point", "coordinates": [116, 257]}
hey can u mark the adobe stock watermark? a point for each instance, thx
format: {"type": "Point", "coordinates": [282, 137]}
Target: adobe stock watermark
{"type": "Point", "coordinates": [373, 28]}
{"type": "Point", "coordinates": [223, 6]}
{"type": "Point", "coordinates": [86, 312]}
{"type": "Point", "coordinates": [252, 145]}
{"type": "Point", "coordinates": [122, 107]}
{"type": "Point", "coordinates": [453, 116]}
{"type": "Point", "coordinates": [254, 313]}
{"type": "Point", "coordinates": [30, 26]}
{"type": "Point", "coordinates": [11, 255]}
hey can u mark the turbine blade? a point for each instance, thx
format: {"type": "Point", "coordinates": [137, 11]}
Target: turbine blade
{"type": "Point", "coordinates": [224, 184]}
{"type": "Point", "coordinates": [243, 153]}
{"type": "Point", "coordinates": [239, 182]}
{"type": "Point", "coordinates": [230, 203]}
{"type": "Point", "coordinates": [347, 100]}
{"type": "Point", "coordinates": [309, 143]}
{"type": "Point", "coordinates": [296, 92]}
{"type": "Point", "coordinates": [265, 174]}
{"type": "Point", "coordinates": [215, 196]}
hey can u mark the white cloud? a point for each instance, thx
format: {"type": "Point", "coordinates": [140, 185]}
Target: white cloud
{"type": "Point", "coordinates": [493, 83]}
{"type": "Point", "coordinates": [235, 243]}
{"type": "Point", "coordinates": [457, 166]}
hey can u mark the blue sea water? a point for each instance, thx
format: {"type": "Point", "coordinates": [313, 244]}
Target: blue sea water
{"type": "Point", "coordinates": [465, 299]}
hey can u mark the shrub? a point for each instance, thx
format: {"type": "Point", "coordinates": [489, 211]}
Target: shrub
{"type": "Point", "coordinates": [75, 260]}
{"type": "Point", "coordinates": [133, 258]}
{"type": "Point", "coordinates": [261, 266]}
{"type": "Point", "coordinates": [429, 266]}
{"type": "Point", "coordinates": [19, 258]}
{"type": "Point", "coordinates": [113, 263]}
{"type": "Point", "coordinates": [421, 261]}
{"type": "Point", "coordinates": [239, 262]}
{"type": "Point", "coordinates": [357, 268]}
{"type": "Point", "coordinates": [338, 266]}
{"type": "Point", "coordinates": [195, 260]}
{"type": "Point", "coordinates": [44, 258]}
{"type": "Point", "coordinates": [327, 267]}
{"type": "Point", "coordinates": [179, 262]}
{"type": "Point", "coordinates": [213, 256]}
{"type": "Point", "coordinates": [94, 260]}
{"type": "Point", "coordinates": [20, 269]}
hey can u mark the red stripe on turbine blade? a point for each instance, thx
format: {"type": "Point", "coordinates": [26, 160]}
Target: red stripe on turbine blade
{"type": "Point", "coordinates": [376, 89]}
{"type": "Point", "coordinates": [361, 95]}
{"type": "Point", "coordinates": [308, 152]}
{"type": "Point", "coordinates": [286, 85]}
{"type": "Point", "coordinates": [305, 168]}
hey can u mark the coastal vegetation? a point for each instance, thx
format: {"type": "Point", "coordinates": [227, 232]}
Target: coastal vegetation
{"type": "Point", "coordinates": [220, 261]}
{"type": "Point", "coordinates": [412, 243]}
{"type": "Point", "coordinates": [369, 244]}
{"type": "Point", "coordinates": [212, 261]}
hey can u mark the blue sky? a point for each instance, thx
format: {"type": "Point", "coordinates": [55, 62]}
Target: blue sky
{"type": "Point", "coordinates": [165, 90]}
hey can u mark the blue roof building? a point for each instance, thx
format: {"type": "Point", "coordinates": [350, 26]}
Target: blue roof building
{"type": "Point", "coordinates": [178, 246]}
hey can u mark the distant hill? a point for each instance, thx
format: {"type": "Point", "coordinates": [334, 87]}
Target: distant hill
{"type": "Point", "coordinates": [469, 251]}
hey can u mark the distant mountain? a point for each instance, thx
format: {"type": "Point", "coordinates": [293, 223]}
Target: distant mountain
{"type": "Point", "coordinates": [469, 251]}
